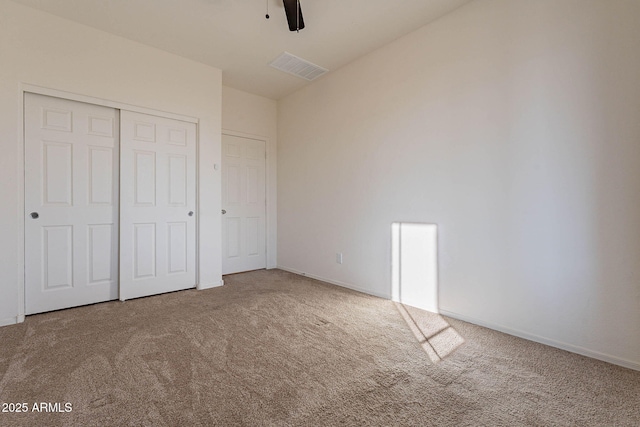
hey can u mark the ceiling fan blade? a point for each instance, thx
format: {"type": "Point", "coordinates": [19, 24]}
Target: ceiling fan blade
{"type": "Point", "coordinates": [294, 14]}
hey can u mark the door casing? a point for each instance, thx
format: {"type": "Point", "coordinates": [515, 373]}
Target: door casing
{"type": "Point", "coordinates": [268, 242]}
{"type": "Point", "coordinates": [40, 90]}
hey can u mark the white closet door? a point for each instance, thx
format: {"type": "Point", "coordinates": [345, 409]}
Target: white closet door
{"type": "Point", "coordinates": [244, 204]}
{"type": "Point", "coordinates": [71, 203]}
{"type": "Point", "coordinates": [157, 205]}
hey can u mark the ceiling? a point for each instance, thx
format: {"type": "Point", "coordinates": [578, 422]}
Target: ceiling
{"type": "Point", "coordinates": [234, 36]}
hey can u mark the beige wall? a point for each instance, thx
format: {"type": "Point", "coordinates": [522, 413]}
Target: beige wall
{"type": "Point", "coordinates": [512, 124]}
{"type": "Point", "coordinates": [39, 49]}
{"type": "Point", "coordinates": [255, 116]}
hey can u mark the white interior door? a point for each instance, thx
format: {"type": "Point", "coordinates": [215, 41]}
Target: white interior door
{"type": "Point", "coordinates": [243, 204]}
{"type": "Point", "coordinates": [71, 203]}
{"type": "Point", "coordinates": [157, 205]}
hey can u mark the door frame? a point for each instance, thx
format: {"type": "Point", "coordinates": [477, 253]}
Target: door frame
{"type": "Point", "coordinates": [268, 241]}
{"type": "Point", "coordinates": [40, 90]}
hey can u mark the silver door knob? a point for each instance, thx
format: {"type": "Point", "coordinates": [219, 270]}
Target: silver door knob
{"type": "Point", "coordinates": [190, 213]}
{"type": "Point", "coordinates": [223, 212]}
{"type": "Point", "coordinates": [35, 215]}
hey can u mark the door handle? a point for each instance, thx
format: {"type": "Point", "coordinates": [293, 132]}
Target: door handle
{"type": "Point", "coordinates": [223, 212]}
{"type": "Point", "coordinates": [190, 213]}
{"type": "Point", "coordinates": [35, 215]}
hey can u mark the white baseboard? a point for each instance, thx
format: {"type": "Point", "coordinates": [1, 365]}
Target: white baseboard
{"type": "Point", "coordinates": [201, 287]}
{"type": "Point", "coordinates": [11, 320]}
{"type": "Point", "coordinates": [336, 282]}
{"type": "Point", "coordinates": [542, 340]}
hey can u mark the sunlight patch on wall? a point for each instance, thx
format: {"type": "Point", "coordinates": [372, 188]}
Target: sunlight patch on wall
{"type": "Point", "coordinates": [414, 269]}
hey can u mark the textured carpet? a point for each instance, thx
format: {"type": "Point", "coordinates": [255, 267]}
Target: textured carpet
{"type": "Point", "coordinates": [273, 349]}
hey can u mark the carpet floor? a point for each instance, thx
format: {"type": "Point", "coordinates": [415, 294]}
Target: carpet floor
{"type": "Point", "coordinates": [275, 349]}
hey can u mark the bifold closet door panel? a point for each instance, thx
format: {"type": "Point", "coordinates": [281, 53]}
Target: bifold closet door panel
{"type": "Point", "coordinates": [157, 205]}
{"type": "Point", "coordinates": [71, 203]}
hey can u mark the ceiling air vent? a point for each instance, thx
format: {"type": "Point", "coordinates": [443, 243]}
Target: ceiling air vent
{"type": "Point", "coordinates": [297, 66]}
